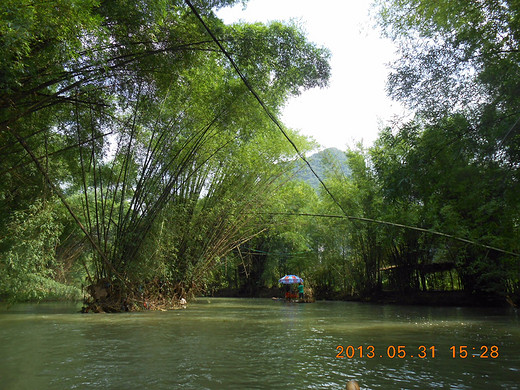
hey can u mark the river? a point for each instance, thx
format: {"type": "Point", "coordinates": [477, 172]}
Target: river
{"type": "Point", "coordinates": [260, 344]}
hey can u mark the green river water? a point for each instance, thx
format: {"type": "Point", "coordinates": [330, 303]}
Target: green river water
{"type": "Point", "coordinates": [259, 344]}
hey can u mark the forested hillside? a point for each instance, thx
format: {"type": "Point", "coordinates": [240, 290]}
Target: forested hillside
{"type": "Point", "coordinates": [326, 162]}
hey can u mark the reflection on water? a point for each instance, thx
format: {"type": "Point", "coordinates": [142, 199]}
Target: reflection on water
{"type": "Point", "coordinates": [258, 344]}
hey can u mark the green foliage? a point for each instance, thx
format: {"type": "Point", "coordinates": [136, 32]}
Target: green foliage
{"type": "Point", "coordinates": [39, 36]}
{"type": "Point", "coordinates": [456, 164]}
{"type": "Point", "coordinates": [453, 169]}
{"type": "Point", "coordinates": [28, 259]}
{"type": "Point", "coordinates": [437, 173]}
{"type": "Point", "coordinates": [131, 113]}
{"type": "Point", "coordinates": [158, 151]}
{"type": "Point", "coordinates": [454, 54]}
{"type": "Point", "coordinates": [278, 59]}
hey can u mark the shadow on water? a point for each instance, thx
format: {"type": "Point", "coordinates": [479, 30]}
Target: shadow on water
{"type": "Point", "coordinates": [220, 343]}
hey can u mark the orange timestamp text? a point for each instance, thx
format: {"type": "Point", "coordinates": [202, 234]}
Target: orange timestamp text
{"type": "Point", "coordinates": [421, 352]}
{"type": "Point", "coordinates": [391, 351]}
{"type": "Point", "coordinates": [481, 351]}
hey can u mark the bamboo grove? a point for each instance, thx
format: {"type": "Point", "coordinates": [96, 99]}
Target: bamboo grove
{"type": "Point", "coordinates": [123, 124]}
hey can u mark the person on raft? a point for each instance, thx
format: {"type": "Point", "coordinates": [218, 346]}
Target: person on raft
{"type": "Point", "coordinates": [300, 291]}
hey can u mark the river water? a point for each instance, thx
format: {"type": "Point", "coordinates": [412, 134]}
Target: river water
{"type": "Point", "coordinates": [260, 344]}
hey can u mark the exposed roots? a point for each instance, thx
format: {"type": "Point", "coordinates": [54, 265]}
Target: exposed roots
{"type": "Point", "coordinates": [111, 297]}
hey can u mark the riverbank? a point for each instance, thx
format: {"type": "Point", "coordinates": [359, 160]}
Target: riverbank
{"type": "Point", "coordinates": [440, 298]}
{"type": "Point", "coordinates": [422, 298]}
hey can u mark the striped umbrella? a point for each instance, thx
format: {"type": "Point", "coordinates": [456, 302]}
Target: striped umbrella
{"type": "Point", "coordinates": [290, 279]}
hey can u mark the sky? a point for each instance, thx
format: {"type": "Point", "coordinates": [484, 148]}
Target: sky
{"type": "Point", "coordinates": [354, 106]}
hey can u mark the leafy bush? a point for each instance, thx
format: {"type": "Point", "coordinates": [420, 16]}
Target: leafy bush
{"type": "Point", "coordinates": [27, 255]}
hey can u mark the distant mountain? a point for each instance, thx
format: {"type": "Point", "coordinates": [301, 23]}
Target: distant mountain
{"type": "Point", "coordinates": [324, 163]}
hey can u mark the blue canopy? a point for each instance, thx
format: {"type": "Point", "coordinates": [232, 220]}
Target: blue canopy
{"type": "Point", "coordinates": [290, 279]}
